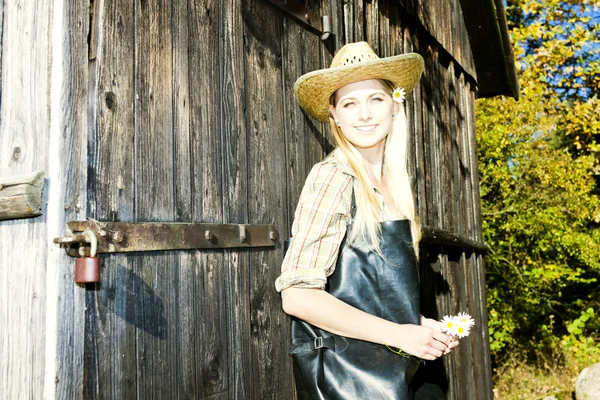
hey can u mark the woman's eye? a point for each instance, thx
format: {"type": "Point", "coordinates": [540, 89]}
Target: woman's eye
{"type": "Point", "coordinates": [377, 98]}
{"type": "Point", "coordinates": [349, 104]}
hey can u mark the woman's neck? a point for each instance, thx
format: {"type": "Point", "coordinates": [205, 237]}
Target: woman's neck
{"type": "Point", "coordinates": [373, 161]}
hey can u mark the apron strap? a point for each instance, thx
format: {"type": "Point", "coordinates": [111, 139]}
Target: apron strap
{"type": "Point", "coordinates": [315, 344]}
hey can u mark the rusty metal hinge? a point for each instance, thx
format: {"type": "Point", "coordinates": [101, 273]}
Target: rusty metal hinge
{"type": "Point", "coordinates": [321, 24]}
{"type": "Point", "coordinates": [116, 237]}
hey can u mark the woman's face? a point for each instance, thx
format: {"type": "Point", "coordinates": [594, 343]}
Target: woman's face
{"type": "Point", "coordinates": [364, 110]}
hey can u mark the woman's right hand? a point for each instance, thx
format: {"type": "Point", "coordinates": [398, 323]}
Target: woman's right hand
{"type": "Point", "coordinates": [422, 341]}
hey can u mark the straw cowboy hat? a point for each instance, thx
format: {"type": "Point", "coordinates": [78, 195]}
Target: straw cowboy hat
{"type": "Point", "coordinates": [352, 63]}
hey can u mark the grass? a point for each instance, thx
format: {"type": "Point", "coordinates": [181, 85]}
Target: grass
{"type": "Point", "coordinates": [520, 381]}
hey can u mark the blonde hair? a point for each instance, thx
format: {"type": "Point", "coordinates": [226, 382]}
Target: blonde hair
{"type": "Point", "coordinates": [365, 227]}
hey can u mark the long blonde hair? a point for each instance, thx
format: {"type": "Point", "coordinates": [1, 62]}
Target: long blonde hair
{"type": "Point", "coordinates": [365, 227]}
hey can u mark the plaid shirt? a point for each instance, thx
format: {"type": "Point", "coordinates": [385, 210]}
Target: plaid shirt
{"type": "Point", "coordinates": [320, 224]}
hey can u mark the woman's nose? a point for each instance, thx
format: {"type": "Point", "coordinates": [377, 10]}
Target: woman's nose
{"type": "Point", "coordinates": [365, 113]}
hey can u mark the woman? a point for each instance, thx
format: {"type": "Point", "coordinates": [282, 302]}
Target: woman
{"type": "Point", "coordinates": [349, 278]}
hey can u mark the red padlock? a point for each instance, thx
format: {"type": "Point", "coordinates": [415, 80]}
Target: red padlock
{"type": "Point", "coordinates": [87, 269]}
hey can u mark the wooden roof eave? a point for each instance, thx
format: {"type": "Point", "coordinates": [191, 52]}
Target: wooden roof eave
{"type": "Point", "coordinates": [486, 25]}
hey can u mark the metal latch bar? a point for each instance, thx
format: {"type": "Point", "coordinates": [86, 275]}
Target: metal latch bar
{"type": "Point", "coordinates": [447, 238]}
{"type": "Point", "coordinates": [314, 20]}
{"type": "Point", "coordinates": [117, 237]}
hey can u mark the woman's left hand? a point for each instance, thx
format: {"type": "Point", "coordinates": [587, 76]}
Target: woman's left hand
{"type": "Point", "coordinates": [437, 325]}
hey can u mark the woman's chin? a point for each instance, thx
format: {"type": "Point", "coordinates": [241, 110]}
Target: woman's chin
{"type": "Point", "coordinates": [367, 144]}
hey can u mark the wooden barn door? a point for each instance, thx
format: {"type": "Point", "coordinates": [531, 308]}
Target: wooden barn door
{"type": "Point", "coordinates": [187, 125]}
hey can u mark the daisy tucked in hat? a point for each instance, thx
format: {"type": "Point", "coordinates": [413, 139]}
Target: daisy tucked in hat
{"type": "Point", "coordinates": [352, 63]}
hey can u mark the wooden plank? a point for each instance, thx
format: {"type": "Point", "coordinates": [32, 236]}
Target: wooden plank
{"type": "Point", "coordinates": [429, 108]}
{"type": "Point", "coordinates": [210, 305]}
{"type": "Point", "coordinates": [186, 336]}
{"type": "Point", "coordinates": [371, 26]}
{"type": "Point", "coordinates": [459, 167]}
{"type": "Point", "coordinates": [350, 34]}
{"type": "Point", "coordinates": [445, 140]}
{"type": "Point", "coordinates": [327, 50]}
{"type": "Point", "coordinates": [415, 119]}
{"type": "Point", "coordinates": [386, 38]}
{"type": "Point", "coordinates": [440, 142]}
{"type": "Point", "coordinates": [463, 156]}
{"type": "Point", "coordinates": [235, 193]}
{"type": "Point", "coordinates": [158, 305]}
{"type": "Point", "coordinates": [484, 368]}
{"type": "Point", "coordinates": [462, 363]}
{"type": "Point", "coordinates": [475, 275]}
{"type": "Point", "coordinates": [336, 11]}
{"type": "Point", "coordinates": [24, 136]}
{"type": "Point", "coordinates": [468, 362]}
{"type": "Point", "coordinates": [112, 308]}
{"type": "Point", "coordinates": [455, 39]}
{"type": "Point", "coordinates": [1, 42]}
{"type": "Point", "coordinates": [359, 21]}
{"type": "Point", "coordinates": [303, 140]}
{"type": "Point", "coordinates": [21, 195]}
{"type": "Point", "coordinates": [449, 301]}
{"type": "Point", "coordinates": [436, 19]}
{"type": "Point", "coordinates": [266, 194]}
{"type": "Point", "coordinates": [68, 200]}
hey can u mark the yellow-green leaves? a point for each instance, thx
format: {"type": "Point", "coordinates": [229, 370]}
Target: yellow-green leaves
{"type": "Point", "coordinates": [539, 173]}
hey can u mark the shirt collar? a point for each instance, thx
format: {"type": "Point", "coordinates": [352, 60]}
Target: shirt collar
{"type": "Point", "coordinates": [337, 157]}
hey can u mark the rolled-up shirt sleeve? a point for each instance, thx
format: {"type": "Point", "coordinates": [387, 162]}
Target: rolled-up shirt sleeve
{"type": "Point", "coordinates": [318, 229]}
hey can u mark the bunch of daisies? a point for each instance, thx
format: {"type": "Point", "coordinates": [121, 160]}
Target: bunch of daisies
{"type": "Point", "coordinates": [459, 325]}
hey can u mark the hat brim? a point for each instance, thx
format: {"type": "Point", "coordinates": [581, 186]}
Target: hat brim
{"type": "Point", "coordinates": [313, 90]}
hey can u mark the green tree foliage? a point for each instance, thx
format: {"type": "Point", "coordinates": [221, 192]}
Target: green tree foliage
{"type": "Point", "coordinates": [538, 163]}
{"type": "Point", "coordinates": [557, 50]}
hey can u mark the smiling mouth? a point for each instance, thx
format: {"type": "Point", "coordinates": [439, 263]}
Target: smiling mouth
{"type": "Point", "coordinates": [366, 128]}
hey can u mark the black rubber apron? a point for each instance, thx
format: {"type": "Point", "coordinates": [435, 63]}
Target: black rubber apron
{"type": "Point", "coordinates": [329, 366]}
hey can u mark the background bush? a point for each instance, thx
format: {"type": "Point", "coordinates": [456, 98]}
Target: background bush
{"type": "Point", "coordinates": [540, 179]}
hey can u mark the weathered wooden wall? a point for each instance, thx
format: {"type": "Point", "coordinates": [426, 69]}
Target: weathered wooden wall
{"type": "Point", "coordinates": [24, 133]}
{"type": "Point", "coordinates": [185, 112]}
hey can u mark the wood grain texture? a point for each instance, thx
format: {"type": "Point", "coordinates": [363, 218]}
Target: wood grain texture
{"type": "Point", "coordinates": [25, 65]}
{"type": "Point", "coordinates": [112, 306]}
{"type": "Point", "coordinates": [21, 195]}
{"type": "Point", "coordinates": [303, 139]}
{"type": "Point", "coordinates": [327, 49]}
{"type": "Point", "coordinates": [429, 110]}
{"type": "Point", "coordinates": [70, 203]}
{"type": "Point", "coordinates": [350, 13]}
{"type": "Point", "coordinates": [443, 20]}
{"type": "Point", "coordinates": [186, 336]}
{"type": "Point", "coordinates": [1, 42]}
{"type": "Point", "coordinates": [234, 134]}
{"type": "Point", "coordinates": [157, 309]}
{"type": "Point", "coordinates": [371, 24]}
{"type": "Point", "coordinates": [266, 195]}
{"type": "Point", "coordinates": [210, 302]}
{"type": "Point", "coordinates": [479, 288]}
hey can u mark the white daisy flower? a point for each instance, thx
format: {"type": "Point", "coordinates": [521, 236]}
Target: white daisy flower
{"type": "Point", "coordinates": [449, 325]}
{"type": "Point", "coordinates": [458, 325]}
{"type": "Point", "coordinates": [399, 95]}
{"type": "Point", "coordinates": [466, 319]}
{"type": "Point", "coordinates": [462, 330]}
